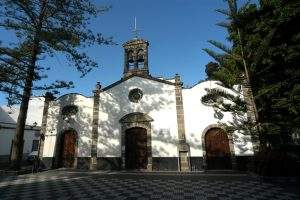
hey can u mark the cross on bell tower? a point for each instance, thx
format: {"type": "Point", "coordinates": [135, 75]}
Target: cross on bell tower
{"type": "Point", "coordinates": [136, 55]}
{"type": "Point", "coordinates": [135, 30]}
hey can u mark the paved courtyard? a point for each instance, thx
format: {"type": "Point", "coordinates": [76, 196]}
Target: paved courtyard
{"type": "Point", "coordinates": [67, 184]}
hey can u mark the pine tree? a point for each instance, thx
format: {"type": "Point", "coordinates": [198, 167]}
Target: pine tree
{"type": "Point", "coordinates": [234, 71]}
{"type": "Point", "coordinates": [43, 28]}
{"type": "Point", "coordinates": [210, 69]}
{"type": "Point", "coordinates": [269, 41]}
{"type": "Point", "coordinates": [275, 69]}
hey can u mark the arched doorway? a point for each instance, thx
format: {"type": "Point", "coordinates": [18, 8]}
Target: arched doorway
{"type": "Point", "coordinates": [218, 154]}
{"type": "Point", "coordinates": [136, 148]}
{"type": "Point", "coordinates": [131, 124]}
{"type": "Point", "coordinates": [67, 152]}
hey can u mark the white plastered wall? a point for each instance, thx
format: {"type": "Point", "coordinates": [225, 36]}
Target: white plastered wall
{"type": "Point", "coordinates": [198, 117]}
{"type": "Point", "coordinates": [8, 119]}
{"type": "Point", "coordinates": [81, 123]}
{"type": "Point", "coordinates": [158, 102]}
{"type": "Point", "coordinates": [34, 113]}
{"type": "Point", "coordinates": [6, 136]}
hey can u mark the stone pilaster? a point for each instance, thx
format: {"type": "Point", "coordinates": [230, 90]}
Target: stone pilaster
{"type": "Point", "coordinates": [183, 147]}
{"type": "Point", "coordinates": [146, 68]}
{"type": "Point", "coordinates": [48, 97]}
{"type": "Point", "coordinates": [97, 91]}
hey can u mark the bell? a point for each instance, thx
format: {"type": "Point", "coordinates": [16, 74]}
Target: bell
{"type": "Point", "coordinates": [130, 60]}
{"type": "Point", "coordinates": [140, 58]}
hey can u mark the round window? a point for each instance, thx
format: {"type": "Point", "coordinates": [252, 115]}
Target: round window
{"type": "Point", "coordinates": [135, 95]}
{"type": "Point", "coordinates": [69, 111]}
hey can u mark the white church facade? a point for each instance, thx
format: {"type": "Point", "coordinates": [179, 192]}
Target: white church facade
{"type": "Point", "coordinates": [140, 123]}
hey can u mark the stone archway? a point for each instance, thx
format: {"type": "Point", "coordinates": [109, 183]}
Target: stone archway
{"type": "Point", "coordinates": [218, 149]}
{"type": "Point", "coordinates": [135, 121]}
{"type": "Point", "coordinates": [66, 149]}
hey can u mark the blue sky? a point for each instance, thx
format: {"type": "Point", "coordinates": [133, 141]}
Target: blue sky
{"type": "Point", "coordinates": [177, 31]}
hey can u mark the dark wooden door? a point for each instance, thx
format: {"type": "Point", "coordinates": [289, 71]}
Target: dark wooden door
{"type": "Point", "coordinates": [136, 148]}
{"type": "Point", "coordinates": [217, 149]}
{"type": "Point", "coordinates": [68, 150]}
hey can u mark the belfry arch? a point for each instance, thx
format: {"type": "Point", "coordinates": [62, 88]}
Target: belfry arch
{"type": "Point", "coordinates": [139, 121]}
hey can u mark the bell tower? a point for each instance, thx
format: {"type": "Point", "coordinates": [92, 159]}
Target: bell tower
{"type": "Point", "coordinates": [136, 55]}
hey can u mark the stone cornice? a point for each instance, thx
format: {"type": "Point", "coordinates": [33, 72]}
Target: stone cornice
{"type": "Point", "coordinates": [135, 42]}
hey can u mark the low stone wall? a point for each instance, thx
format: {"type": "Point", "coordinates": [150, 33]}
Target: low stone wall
{"type": "Point", "coordinates": [165, 163]}
{"type": "Point", "coordinates": [243, 163]}
{"type": "Point", "coordinates": [4, 161]}
{"type": "Point", "coordinates": [109, 163]}
{"type": "Point", "coordinates": [196, 163]}
{"type": "Point", "coordinates": [47, 162]}
{"type": "Point", "coordinates": [83, 162]}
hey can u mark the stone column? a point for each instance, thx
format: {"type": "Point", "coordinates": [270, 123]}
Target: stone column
{"type": "Point", "coordinates": [135, 53]}
{"type": "Point", "coordinates": [125, 62]}
{"type": "Point", "coordinates": [146, 60]}
{"type": "Point", "coordinates": [183, 147]}
{"type": "Point", "coordinates": [48, 97]}
{"type": "Point", "coordinates": [97, 91]}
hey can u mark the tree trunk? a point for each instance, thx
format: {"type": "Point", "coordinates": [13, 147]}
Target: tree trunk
{"type": "Point", "coordinates": [18, 141]}
{"type": "Point", "coordinates": [257, 137]}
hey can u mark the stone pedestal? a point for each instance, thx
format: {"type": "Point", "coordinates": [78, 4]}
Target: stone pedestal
{"type": "Point", "coordinates": [184, 160]}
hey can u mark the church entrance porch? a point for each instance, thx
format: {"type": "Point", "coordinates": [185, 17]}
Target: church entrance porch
{"type": "Point", "coordinates": [136, 148]}
{"type": "Point", "coordinates": [218, 155]}
{"type": "Point", "coordinates": [67, 152]}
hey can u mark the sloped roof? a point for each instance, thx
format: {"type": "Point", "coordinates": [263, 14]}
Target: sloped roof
{"type": "Point", "coordinates": [6, 116]}
{"type": "Point", "coordinates": [136, 75]}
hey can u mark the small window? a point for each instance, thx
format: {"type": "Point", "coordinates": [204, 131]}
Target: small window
{"type": "Point", "coordinates": [69, 111]}
{"type": "Point", "coordinates": [35, 145]}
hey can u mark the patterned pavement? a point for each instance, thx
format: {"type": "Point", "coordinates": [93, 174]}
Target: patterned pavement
{"type": "Point", "coordinates": [67, 184]}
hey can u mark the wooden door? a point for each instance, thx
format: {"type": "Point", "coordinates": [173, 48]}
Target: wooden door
{"type": "Point", "coordinates": [217, 149]}
{"type": "Point", "coordinates": [136, 148]}
{"type": "Point", "coordinates": [68, 149]}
